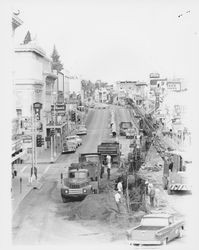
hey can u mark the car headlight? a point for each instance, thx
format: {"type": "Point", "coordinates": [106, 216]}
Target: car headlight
{"type": "Point", "coordinates": [172, 181]}
{"type": "Point", "coordinates": [66, 191]}
{"type": "Point", "coordinates": [84, 191]}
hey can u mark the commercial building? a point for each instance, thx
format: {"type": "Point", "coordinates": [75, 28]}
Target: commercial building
{"type": "Point", "coordinates": [35, 82]}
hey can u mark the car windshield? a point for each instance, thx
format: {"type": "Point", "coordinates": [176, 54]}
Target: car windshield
{"type": "Point", "coordinates": [131, 131]}
{"type": "Point", "coordinates": [126, 125]}
{"type": "Point", "coordinates": [82, 127]}
{"type": "Point", "coordinates": [92, 158]}
{"type": "Point", "coordinates": [70, 138]}
{"type": "Point", "coordinates": [80, 175]}
{"type": "Point", "coordinates": [154, 221]}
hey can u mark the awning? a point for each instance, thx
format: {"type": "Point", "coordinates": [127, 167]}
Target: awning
{"type": "Point", "coordinates": [18, 156]}
{"type": "Point", "coordinates": [51, 126]}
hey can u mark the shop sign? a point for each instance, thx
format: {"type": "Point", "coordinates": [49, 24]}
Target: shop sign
{"type": "Point", "coordinates": [27, 139]}
{"type": "Point", "coordinates": [58, 107]}
{"type": "Point", "coordinates": [154, 75]}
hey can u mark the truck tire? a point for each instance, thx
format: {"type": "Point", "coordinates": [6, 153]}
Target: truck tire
{"type": "Point", "coordinates": [64, 199]}
{"type": "Point", "coordinates": [165, 184]}
{"type": "Point", "coordinates": [165, 241]}
{"type": "Point", "coordinates": [180, 235]}
{"type": "Point", "coordinates": [169, 191]}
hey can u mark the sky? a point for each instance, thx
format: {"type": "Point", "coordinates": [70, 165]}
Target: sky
{"type": "Point", "coordinates": [116, 40]}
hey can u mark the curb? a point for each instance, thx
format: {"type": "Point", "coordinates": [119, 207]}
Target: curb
{"type": "Point", "coordinates": [40, 184]}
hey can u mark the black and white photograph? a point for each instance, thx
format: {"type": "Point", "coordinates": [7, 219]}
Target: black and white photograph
{"type": "Point", "coordinates": [103, 124]}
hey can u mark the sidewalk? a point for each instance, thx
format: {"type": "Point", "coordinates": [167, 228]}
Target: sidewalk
{"type": "Point", "coordinates": [19, 190]}
{"type": "Point", "coordinates": [21, 185]}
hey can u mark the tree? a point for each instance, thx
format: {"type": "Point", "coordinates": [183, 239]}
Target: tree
{"type": "Point", "coordinates": [56, 63]}
{"type": "Point", "coordinates": [27, 38]}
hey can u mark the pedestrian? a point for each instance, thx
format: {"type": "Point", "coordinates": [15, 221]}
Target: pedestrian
{"type": "Point", "coordinates": [118, 200]}
{"type": "Point", "coordinates": [120, 186]}
{"type": "Point", "coordinates": [152, 195]}
{"type": "Point", "coordinates": [108, 171]}
{"type": "Point", "coordinates": [108, 158]}
{"type": "Point", "coordinates": [157, 197]}
{"type": "Point", "coordinates": [146, 187]}
{"type": "Point", "coordinates": [150, 186]}
{"type": "Point", "coordinates": [102, 171]}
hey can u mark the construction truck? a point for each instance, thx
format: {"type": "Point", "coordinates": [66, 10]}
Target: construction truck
{"type": "Point", "coordinates": [176, 172]}
{"type": "Point", "coordinates": [112, 148]}
{"type": "Point", "coordinates": [81, 180]}
{"type": "Point", "coordinates": [124, 126]}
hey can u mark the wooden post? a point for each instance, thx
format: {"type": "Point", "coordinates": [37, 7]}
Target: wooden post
{"type": "Point", "coordinates": [127, 192]}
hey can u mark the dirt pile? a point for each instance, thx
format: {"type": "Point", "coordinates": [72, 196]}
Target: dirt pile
{"type": "Point", "coordinates": [153, 160]}
{"type": "Point", "coordinates": [95, 207]}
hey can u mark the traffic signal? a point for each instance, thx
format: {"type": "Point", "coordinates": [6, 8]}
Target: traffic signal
{"type": "Point", "coordinates": [42, 141]}
{"type": "Point", "coordinates": [39, 138]}
{"type": "Point", "coordinates": [73, 116]}
{"type": "Point", "coordinates": [52, 131]}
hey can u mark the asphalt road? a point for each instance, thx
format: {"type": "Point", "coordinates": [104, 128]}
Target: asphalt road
{"type": "Point", "coordinates": [41, 217]}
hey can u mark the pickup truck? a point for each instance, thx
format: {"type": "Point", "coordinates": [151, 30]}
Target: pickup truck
{"type": "Point", "coordinates": [155, 229]}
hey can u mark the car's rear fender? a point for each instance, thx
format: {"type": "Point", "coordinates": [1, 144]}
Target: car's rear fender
{"type": "Point", "coordinates": [167, 232]}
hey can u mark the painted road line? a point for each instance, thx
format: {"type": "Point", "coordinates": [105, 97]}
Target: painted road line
{"type": "Point", "coordinates": [46, 169]}
{"type": "Point", "coordinates": [23, 169]}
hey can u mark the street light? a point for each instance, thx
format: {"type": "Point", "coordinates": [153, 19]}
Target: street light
{"type": "Point", "coordinates": [53, 148]}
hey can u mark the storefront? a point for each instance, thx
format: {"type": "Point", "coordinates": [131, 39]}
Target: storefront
{"type": "Point", "coordinates": [58, 132]}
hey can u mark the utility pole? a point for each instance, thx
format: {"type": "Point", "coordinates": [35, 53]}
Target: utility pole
{"type": "Point", "coordinates": [55, 153]}
{"type": "Point", "coordinates": [34, 153]}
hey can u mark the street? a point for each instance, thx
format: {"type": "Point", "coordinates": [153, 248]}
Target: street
{"type": "Point", "coordinates": [42, 211]}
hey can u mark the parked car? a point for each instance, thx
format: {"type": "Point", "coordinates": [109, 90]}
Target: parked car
{"type": "Point", "coordinates": [156, 229]}
{"type": "Point", "coordinates": [68, 146]}
{"type": "Point", "coordinates": [75, 138]}
{"type": "Point", "coordinates": [92, 105]}
{"type": "Point", "coordinates": [81, 130]}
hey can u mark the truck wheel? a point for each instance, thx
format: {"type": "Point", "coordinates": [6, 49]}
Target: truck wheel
{"type": "Point", "coordinates": [165, 186]}
{"type": "Point", "coordinates": [180, 233]}
{"type": "Point", "coordinates": [169, 191]}
{"type": "Point", "coordinates": [165, 241]}
{"type": "Point", "coordinates": [64, 199]}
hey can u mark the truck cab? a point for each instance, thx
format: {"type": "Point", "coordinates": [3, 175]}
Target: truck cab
{"type": "Point", "coordinates": [124, 126]}
{"type": "Point", "coordinates": [76, 185]}
{"type": "Point", "coordinates": [176, 172]}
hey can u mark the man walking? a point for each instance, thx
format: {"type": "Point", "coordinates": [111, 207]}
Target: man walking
{"type": "Point", "coordinates": [118, 200]}
{"type": "Point", "coordinates": [120, 186]}
{"type": "Point", "coordinates": [108, 171]}
{"type": "Point", "coordinates": [152, 195]}
{"type": "Point", "coordinates": [108, 158]}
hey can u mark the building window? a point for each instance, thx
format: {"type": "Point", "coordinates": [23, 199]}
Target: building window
{"type": "Point", "coordinates": [19, 112]}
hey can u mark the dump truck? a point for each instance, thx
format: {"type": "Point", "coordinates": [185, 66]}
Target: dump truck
{"type": "Point", "coordinates": [112, 148]}
{"type": "Point", "coordinates": [176, 172]}
{"type": "Point", "coordinates": [124, 126]}
{"type": "Point", "coordinates": [81, 180]}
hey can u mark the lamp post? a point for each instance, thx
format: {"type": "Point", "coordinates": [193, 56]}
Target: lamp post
{"type": "Point", "coordinates": [55, 153]}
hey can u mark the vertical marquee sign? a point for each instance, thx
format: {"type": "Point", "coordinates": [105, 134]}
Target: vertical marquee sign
{"type": "Point", "coordinates": [37, 106]}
